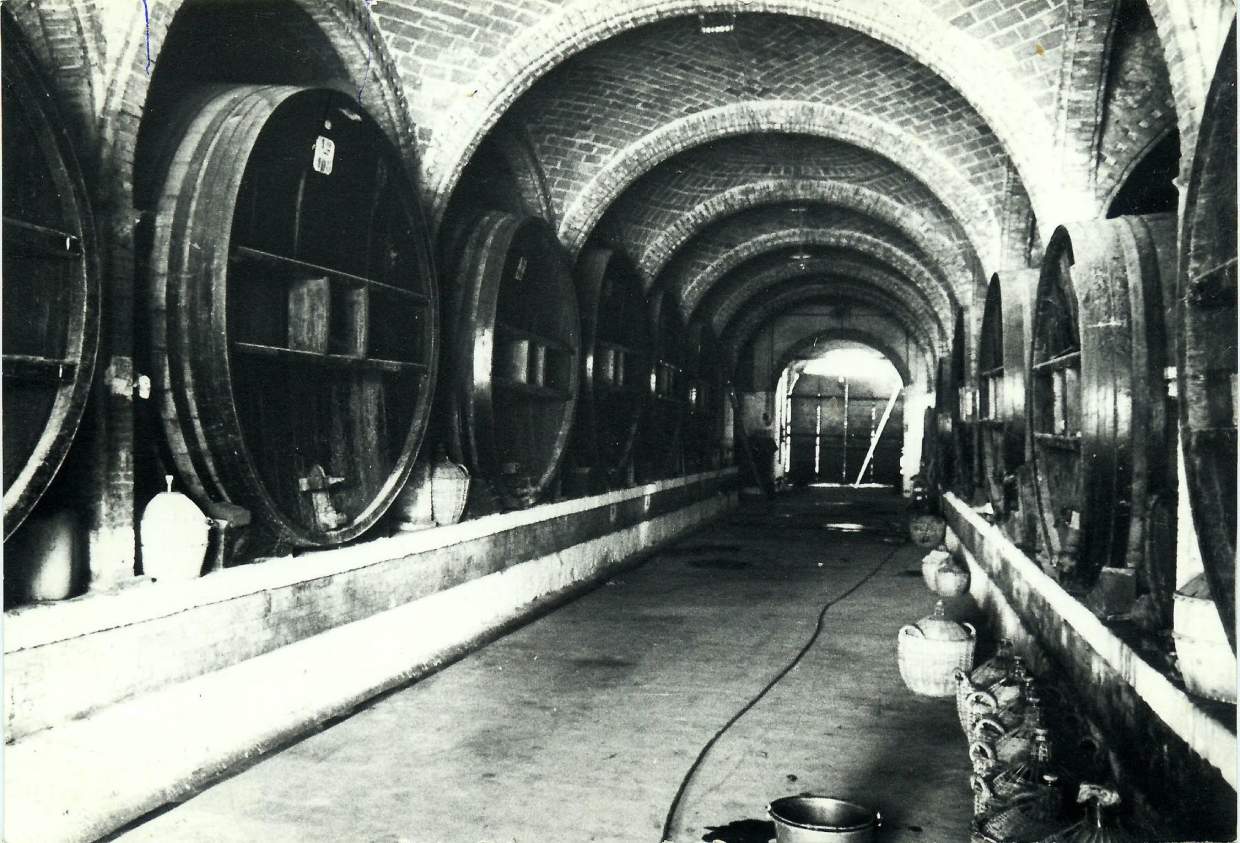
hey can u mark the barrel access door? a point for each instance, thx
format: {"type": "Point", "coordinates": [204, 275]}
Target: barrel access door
{"type": "Point", "coordinates": [293, 312]}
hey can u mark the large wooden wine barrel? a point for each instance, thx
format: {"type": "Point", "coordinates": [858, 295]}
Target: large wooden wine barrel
{"type": "Point", "coordinates": [954, 447]}
{"type": "Point", "coordinates": [931, 460]}
{"type": "Point", "coordinates": [660, 447]}
{"type": "Point", "coordinates": [516, 353]}
{"type": "Point", "coordinates": [707, 389]}
{"type": "Point", "coordinates": [1098, 402]}
{"type": "Point", "coordinates": [51, 285]}
{"type": "Point", "coordinates": [1002, 348]}
{"type": "Point", "coordinates": [1207, 337]}
{"type": "Point", "coordinates": [617, 356]}
{"type": "Point", "coordinates": [293, 312]}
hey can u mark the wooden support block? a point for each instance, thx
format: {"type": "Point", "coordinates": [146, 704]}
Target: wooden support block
{"type": "Point", "coordinates": [538, 364]}
{"type": "Point", "coordinates": [318, 484]}
{"type": "Point", "coordinates": [351, 321]}
{"type": "Point", "coordinates": [514, 360]}
{"type": "Point", "coordinates": [309, 314]}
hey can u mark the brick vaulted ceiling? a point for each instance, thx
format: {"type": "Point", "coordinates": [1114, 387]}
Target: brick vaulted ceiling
{"type": "Point", "coordinates": [891, 152]}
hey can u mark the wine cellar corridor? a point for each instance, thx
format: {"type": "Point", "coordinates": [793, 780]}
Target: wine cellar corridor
{"type": "Point", "coordinates": [619, 420]}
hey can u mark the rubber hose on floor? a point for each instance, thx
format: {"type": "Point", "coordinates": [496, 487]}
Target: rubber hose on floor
{"type": "Point", "coordinates": [701, 756]}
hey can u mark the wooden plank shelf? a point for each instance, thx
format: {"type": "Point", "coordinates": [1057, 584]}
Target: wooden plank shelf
{"type": "Point", "coordinates": [525, 334]}
{"type": "Point", "coordinates": [30, 367]}
{"type": "Point", "coordinates": [340, 361]}
{"type": "Point", "coordinates": [249, 253]}
{"type": "Point", "coordinates": [30, 238]}
{"type": "Point", "coordinates": [1061, 361]}
{"type": "Point", "coordinates": [534, 391]}
{"type": "Point", "coordinates": [1068, 442]}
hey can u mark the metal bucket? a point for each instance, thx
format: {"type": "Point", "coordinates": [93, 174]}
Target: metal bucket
{"type": "Point", "coordinates": [822, 819]}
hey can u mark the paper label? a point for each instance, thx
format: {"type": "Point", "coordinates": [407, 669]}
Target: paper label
{"type": "Point", "coordinates": [324, 155]}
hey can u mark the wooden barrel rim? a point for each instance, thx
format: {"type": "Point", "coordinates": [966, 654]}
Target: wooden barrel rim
{"type": "Point", "coordinates": [1117, 358]}
{"type": "Point", "coordinates": [1206, 319]}
{"type": "Point", "coordinates": [596, 266]}
{"type": "Point", "coordinates": [193, 346]}
{"type": "Point", "coordinates": [489, 246]}
{"type": "Point", "coordinates": [1001, 357]}
{"type": "Point", "coordinates": [74, 371]}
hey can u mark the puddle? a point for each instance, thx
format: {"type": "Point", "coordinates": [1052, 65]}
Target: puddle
{"type": "Point", "coordinates": [601, 661]}
{"type": "Point", "coordinates": [718, 564]}
{"type": "Point", "coordinates": [741, 831]}
{"type": "Point", "coordinates": [697, 549]}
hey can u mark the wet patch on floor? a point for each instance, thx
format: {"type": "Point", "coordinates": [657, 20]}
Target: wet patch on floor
{"type": "Point", "coordinates": [718, 564]}
{"type": "Point", "coordinates": [603, 662]}
{"type": "Point", "coordinates": [741, 831]}
{"type": "Point", "coordinates": [697, 549]}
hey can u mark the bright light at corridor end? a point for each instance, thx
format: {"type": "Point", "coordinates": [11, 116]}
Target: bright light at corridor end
{"type": "Point", "coordinates": [863, 363]}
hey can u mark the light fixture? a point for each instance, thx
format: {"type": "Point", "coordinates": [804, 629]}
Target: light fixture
{"type": "Point", "coordinates": [714, 23]}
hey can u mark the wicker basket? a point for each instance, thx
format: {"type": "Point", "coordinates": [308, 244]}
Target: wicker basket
{"type": "Point", "coordinates": [930, 651]}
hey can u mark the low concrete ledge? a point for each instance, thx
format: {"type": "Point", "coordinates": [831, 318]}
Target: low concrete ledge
{"type": "Point", "coordinates": [64, 660]}
{"type": "Point", "coordinates": [90, 776]}
{"type": "Point", "coordinates": [1167, 740]}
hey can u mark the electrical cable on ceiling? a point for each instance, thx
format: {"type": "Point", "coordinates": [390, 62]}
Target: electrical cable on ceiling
{"type": "Point", "coordinates": [668, 821]}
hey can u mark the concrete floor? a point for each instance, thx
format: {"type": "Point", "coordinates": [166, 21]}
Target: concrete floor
{"type": "Point", "coordinates": [581, 725]}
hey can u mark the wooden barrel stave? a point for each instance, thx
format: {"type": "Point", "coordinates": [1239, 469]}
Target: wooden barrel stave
{"type": "Point", "coordinates": [273, 291]}
{"type": "Point", "coordinates": [1207, 337]}
{"type": "Point", "coordinates": [517, 355]}
{"type": "Point", "coordinates": [51, 285]}
{"type": "Point", "coordinates": [1097, 399]}
{"type": "Point", "coordinates": [617, 349]}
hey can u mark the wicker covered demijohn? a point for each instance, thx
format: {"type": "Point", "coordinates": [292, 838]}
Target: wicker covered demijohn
{"type": "Point", "coordinates": [931, 563]}
{"type": "Point", "coordinates": [931, 650]}
{"type": "Point", "coordinates": [926, 529]}
{"type": "Point", "coordinates": [989, 673]}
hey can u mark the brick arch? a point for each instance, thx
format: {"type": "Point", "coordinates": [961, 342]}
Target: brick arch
{"type": "Point", "coordinates": [349, 28]}
{"type": "Point", "coordinates": [68, 44]}
{"type": "Point", "coordinates": [1078, 121]}
{"type": "Point", "coordinates": [919, 229]}
{"type": "Point", "coordinates": [1137, 106]}
{"type": "Point", "coordinates": [882, 344]}
{"type": "Point", "coordinates": [348, 25]}
{"type": "Point", "coordinates": [972, 67]}
{"type": "Point", "coordinates": [865, 338]}
{"type": "Point", "coordinates": [952, 187]}
{"type": "Point", "coordinates": [1192, 36]}
{"type": "Point", "coordinates": [742, 324]}
{"type": "Point", "coordinates": [723, 308]}
{"type": "Point", "coordinates": [898, 260]}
